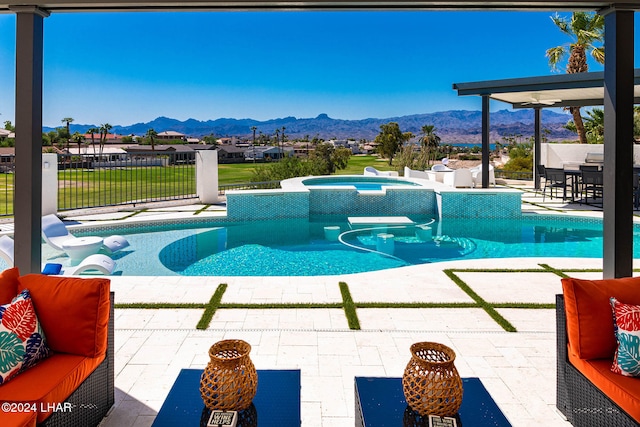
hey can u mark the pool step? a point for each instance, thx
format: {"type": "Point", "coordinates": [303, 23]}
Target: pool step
{"type": "Point", "coordinates": [367, 221]}
{"type": "Point", "coordinates": [381, 223]}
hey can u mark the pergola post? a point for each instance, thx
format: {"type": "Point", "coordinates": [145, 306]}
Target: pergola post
{"type": "Point", "coordinates": [485, 141]}
{"type": "Point", "coordinates": [28, 145]}
{"type": "Point", "coordinates": [536, 146]}
{"type": "Point", "coordinates": [618, 147]}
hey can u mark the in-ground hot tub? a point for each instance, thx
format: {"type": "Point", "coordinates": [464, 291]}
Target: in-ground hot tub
{"type": "Point", "coordinates": [360, 182]}
{"type": "Point", "coordinates": [363, 195]}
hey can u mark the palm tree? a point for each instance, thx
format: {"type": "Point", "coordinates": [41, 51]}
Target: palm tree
{"type": "Point", "coordinates": [93, 131]}
{"type": "Point", "coordinates": [586, 29]}
{"type": "Point", "coordinates": [277, 139]}
{"type": "Point", "coordinates": [281, 147]}
{"type": "Point", "coordinates": [594, 126]}
{"type": "Point", "coordinates": [254, 128]}
{"type": "Point", "coordinates": [104, 131]}
{"type": "Point", "coordinates": [429, 140]}
{"type": "Point", "coordinates": [68, 120]}
{"type": "Point", "coordinates": [79, 139]}
{"type": "Point", "coordinates": [151, 134]}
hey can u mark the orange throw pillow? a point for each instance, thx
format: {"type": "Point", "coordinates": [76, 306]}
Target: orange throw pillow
{"type": "Point", "coordinates": [73, 312]}
{"type": "Point", "coordinates": [8, 285]}
{"type": "Point", "coordinates": [589, 318]}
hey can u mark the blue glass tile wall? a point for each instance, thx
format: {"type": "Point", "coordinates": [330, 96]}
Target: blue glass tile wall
{"type": "Point", "coordinates": [275, 204]}
{"type": "Point", "coordinates": [351, 202]}
{"type": "Point", "coordinates": [480, 205]}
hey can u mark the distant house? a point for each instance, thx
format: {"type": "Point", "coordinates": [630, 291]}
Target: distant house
{"type": "Point", "coordinates": [302, 149]}
{"type": "Point", "coordinates": [177, 153]}
{"type": "Point", "coordinates": [7, 159]}
{"type": "Point", "coordinates": [346, 143]}
{"type": "Point", "coordinates": [111, 138]}
{"type": "Point", "coordinates": [108, 153]}
{"type": "Point", "coordinates": [228, 141]}
{"type": "Point", "coordinates": [170, 135]}
{"type": "Point", "coordinates": [268, 152]}
{"type": "Point", "coordinates": [200, 147]}
{"type": "Point", "coordinates": [231, 154]}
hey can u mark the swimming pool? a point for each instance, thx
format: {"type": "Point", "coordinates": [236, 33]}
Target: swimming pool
{"type": "Point", "coordinates": [304, 248]}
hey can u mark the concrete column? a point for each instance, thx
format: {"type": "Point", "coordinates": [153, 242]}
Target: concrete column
{"type": "Point", "coordinates": [207, 176]}
{"type": "Point", "coordinates": [49, 183]}
{"type": "Point", "coordinates": [28, 176]}
{"type": "Point", "coordinates": [618, 146]}
{"type": "Point", "coordinates": [536, 146]}
{"type": "Point", "coordinates": [485, 140]}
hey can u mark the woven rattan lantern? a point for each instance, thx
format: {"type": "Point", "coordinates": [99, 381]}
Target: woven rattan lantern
{"type": "Point", "coordinates": [229, 382]}
{"type": "Point", "coordinates": [431, 383]}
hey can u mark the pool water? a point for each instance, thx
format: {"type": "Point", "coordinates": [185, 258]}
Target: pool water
{"type": "Point", "coordinates": [359, 182]}
{"type": "Point", "coordinates": [301, 248]}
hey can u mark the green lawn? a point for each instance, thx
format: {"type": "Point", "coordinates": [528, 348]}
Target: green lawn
{"type": "Point", "coordinates": [241, 172]}
{"type": "Point", "coordinates": [358, 163]}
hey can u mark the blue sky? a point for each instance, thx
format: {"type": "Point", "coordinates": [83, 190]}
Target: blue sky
{"type": "Point", "coordinates": [133, 67]}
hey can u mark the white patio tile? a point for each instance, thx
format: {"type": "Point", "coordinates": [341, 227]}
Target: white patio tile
{"type": "Point", "coordinates": [429, 319]}
{"type": "Point", "coordinates": [530, 320]}
{"type": "Point", "coordinates": [513, 287]}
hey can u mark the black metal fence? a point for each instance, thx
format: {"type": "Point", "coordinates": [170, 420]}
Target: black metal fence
{"type": "Point", "coordinates": [7, 187]}
{"type": "Point", "coordinates": [119, 179]}
{"type": "Point", "coordinates": [520, 175]}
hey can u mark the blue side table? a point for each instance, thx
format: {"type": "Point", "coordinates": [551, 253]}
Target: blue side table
{"type": "Point", "coordinates": [380, 402]}
{"type": "Point", "coordinates": [276, 404]}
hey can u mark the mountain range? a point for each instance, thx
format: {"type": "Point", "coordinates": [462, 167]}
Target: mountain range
{"type": "Point", "coordinates": [453, 127]}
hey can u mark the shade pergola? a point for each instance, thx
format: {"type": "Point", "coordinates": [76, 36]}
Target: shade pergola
{"type": "Point", "coordinates": [618, 96]}
{"type": "Point", "coordinates": [559, 90]}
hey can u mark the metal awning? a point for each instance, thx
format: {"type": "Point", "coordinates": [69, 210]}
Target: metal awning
{"type": "Point", "coordinates": [562, 90]}
{"type": "Point", "coordinates": [55, 6]}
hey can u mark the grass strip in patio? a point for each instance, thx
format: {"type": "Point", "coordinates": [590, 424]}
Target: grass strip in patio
{"type": "Point", "coordinates": [525, 305]}
{"type": "Point", "coordinates": [416, 305]}
{"type": "Point", "coordinates": [279, 305]}
{"type": "Point", "coordinates": [349, 307]}
{"type": "Point", "coordinates": [199, 211]}
{"type": "Point", "coordinates": [504, 323]}
{"type": "Point", "coordinates": [553, 270]}
{"type": "Point", "coordinates": [211, 308]}
{"type": "Point", "coordinates": [159, 305]}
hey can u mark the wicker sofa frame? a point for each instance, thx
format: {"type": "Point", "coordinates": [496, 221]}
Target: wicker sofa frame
{"type": "Point", "coordinates": [577, 397]}
{"type": "Point", "coordinates": [91, 401]}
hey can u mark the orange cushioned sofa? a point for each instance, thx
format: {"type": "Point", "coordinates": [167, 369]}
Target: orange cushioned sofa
{"type": "Point", "coordinates": [588, 392]}
{"type": "Point", "coordinates": [74, 386]}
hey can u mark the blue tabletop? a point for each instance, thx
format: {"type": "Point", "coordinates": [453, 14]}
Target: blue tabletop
{"type": "Point", "coordinates": [382, 404]}
{"type": "Point", "coordinates": [277, 401]}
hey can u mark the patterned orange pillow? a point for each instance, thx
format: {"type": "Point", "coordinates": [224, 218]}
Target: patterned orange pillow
{"type": "Point", "coordinates": [22, 341]}
{"type": "Point", "coordinates": [626, 360]}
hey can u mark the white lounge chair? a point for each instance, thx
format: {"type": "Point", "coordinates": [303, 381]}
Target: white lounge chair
{"type": "Point", "coordinates": [441, 168]}
{"type": "Point", "coordinates": [476, 173]}
{"type": "Point", "coordinates": [97, 262]}
{"type": "Point", "coordinates": [371, 171]}
{"type": "Point", "coordinates": [459, 178]}
{"type": "Point", "coordinates": [55, 233]}
{"type": "Point", "coordinates": [6, 249]}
